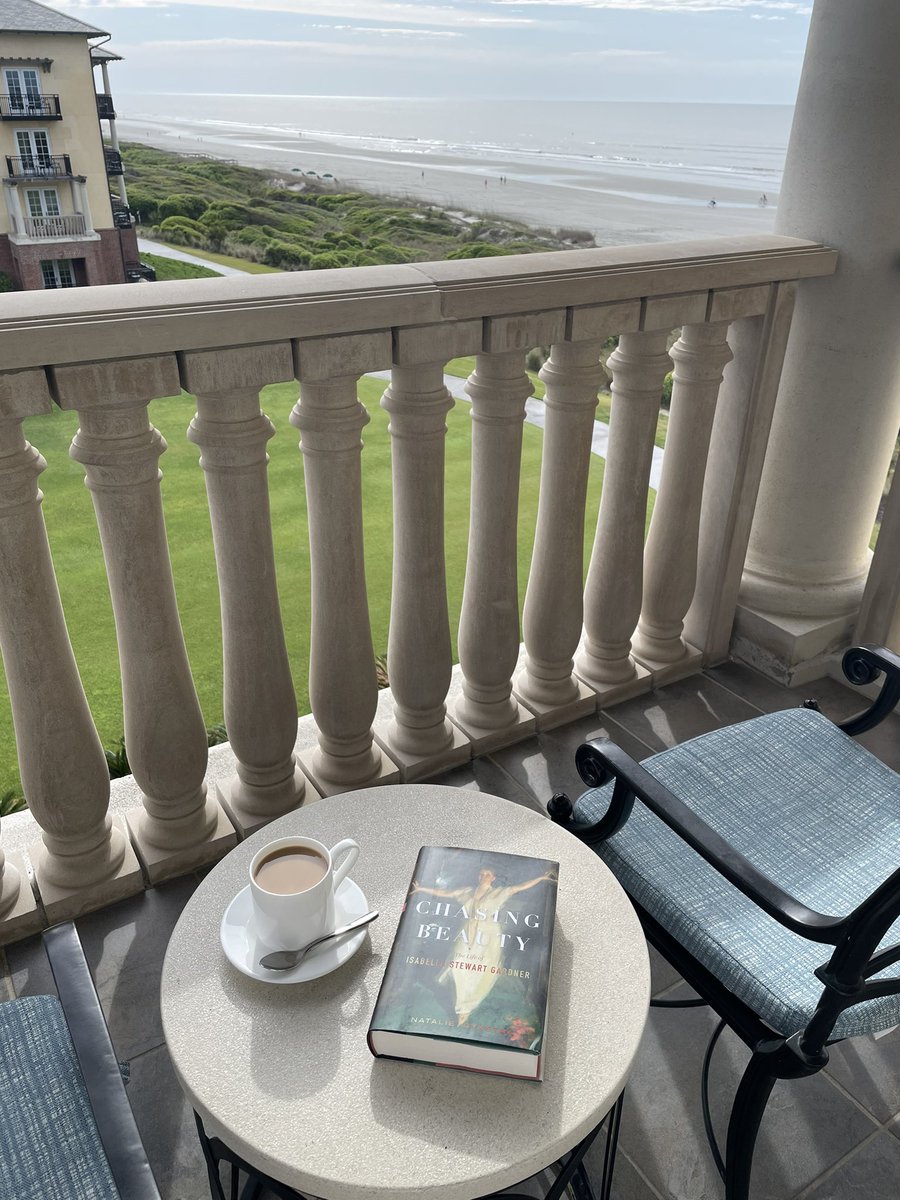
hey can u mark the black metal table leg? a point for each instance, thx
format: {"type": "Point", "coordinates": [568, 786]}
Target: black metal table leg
{"type": "Point", "coordinates": [571, 1168]}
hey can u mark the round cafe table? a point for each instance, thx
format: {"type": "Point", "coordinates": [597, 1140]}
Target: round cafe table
{"type": "Point", "coordinates": [283, 1075]}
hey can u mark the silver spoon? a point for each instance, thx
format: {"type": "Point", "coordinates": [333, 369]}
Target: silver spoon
{"type": "Point", "coordinates": [283, 960]}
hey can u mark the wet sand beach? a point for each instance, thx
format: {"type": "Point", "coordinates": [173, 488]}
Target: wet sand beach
{"type": "Point", "coordinates": [617, 203]}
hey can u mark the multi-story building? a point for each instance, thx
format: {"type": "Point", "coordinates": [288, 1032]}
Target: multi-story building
{"type": "Point", "coordinates": [59, 225]}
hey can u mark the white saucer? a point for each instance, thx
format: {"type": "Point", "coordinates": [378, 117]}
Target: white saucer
{"type": "Point", "coordinates": [243, 950]}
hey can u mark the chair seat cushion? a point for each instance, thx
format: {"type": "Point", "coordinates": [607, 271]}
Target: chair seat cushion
{"type": "Point", "coordinates": [49, 1145]}
{"type": "Point", "coordinates": [811, 809]}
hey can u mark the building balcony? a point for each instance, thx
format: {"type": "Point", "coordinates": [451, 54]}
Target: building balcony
{"type": "Point", "coordinates": [114, 165]}
{"type": "Point", "coordinates": [122, 216]}
{"type": "Point", "coordinates": [71, 226]}
{"type": "Point", "coordinates": [650, 630]}
{"type": "Point", "coordinates": [105, 109]}
{"type": "Point", "coordinates": [26, 108]}
{"type": "Point", "coordinates": [56, 166]}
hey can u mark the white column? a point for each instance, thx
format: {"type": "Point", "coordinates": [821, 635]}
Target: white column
{"type": "Point", "coordinates": [14, 205]}
{"type": "Point", "coordinates": [839, 404]}
{"type": "Point", "coordinates": [553, 614]}
{"type": "Point", "coordinates": [165, 734]}
{"type": "Point", "coordinates": [113, 135]}
{"type": "Point", "coordinates": [612, 599]}
{"type": "Point", "coordinates": [84, 859]}
{"type": "Point", "coordinates": [670, 556]}
{"type": "Point", "coordinates": [84, 203]}
{"type": "Point", "coordinates": [259, 701]}
{"type": "Point", "coordinates": [343, 690]}
{"type": "Point", "coordinates": [420, 738]}
{"type": "Point", "coordinates": [487, 711]}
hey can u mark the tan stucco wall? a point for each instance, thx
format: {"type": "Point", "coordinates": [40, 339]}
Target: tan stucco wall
{"type": "Point", "coordinates": [78, 134]}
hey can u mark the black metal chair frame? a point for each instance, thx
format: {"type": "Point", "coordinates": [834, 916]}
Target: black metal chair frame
{"type": "Point", "coordinates": [99, 1066]}
{"type": "Point", "coordinates": [570, 1169]}
{"type": "Point", "coordinates": [854, 938]}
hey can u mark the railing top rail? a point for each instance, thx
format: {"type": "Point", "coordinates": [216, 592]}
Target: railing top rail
{"type": "Point", "coordinates": [51, 328]}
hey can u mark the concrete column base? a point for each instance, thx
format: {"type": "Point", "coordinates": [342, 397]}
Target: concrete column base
{"type": "Point", "coordinates": [246, 822]}
{"type": "Point", "coordinates": [162, 864]}
{"type": "Point", "coordinates": [63, 904]}
{"type": "Point", "coordinates": [613, 693]}
{"type": "Point", "coordinates": [668, 672]}
{"type": "Point", "coordinates": [24, 917]}
{"type": "Point", "coordinates": [389, 772]}
{"type": "Point", "coordinates": [791, 650]}
{"type": "Point", "coordinates": [413, 767]}
{"type": "Point", "coordinates": [551, 716]}
{"type": "Point", "coordinates": [485, 740]}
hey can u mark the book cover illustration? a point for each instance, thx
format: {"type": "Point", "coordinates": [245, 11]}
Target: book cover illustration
{"type": "Point", "coordinates": [471, 957]}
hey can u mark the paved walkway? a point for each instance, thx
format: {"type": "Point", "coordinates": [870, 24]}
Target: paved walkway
{"type": "Point", "coordinates": [534, 415]}
{"type": "Point", "coordinates": [148, 247]}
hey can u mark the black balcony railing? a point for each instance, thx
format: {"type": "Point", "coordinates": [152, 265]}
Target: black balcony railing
{"type": "Point", "coordinates": [122, 218]}
{"type": "Point", "coordinates": [105, 110]}
{"type": "Point", "coordinates": [30, 108]}
{"type": "Point", "coordinates": [38, 166]}
{"type": "Point", "coordinates": [114, 162]}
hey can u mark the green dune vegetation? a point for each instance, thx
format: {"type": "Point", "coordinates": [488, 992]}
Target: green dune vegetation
{"type": "Point", "coordinates": [296, 222]}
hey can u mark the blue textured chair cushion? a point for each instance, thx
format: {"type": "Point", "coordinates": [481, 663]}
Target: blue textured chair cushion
{"type": "Point", "coordinates": [807, 806]}
{"type": "Point", "coordinates": [49, 1145]}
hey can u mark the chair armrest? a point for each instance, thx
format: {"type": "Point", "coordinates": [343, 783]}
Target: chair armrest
{"type": "Point", "coordinates": [862, 665]}
{"type": "Point", "coordinates": [601, 760]}
{"type": "Point", "coordinates": [99, 1066]}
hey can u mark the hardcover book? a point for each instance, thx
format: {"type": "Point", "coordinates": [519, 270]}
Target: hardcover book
{"type": "Point", "coordinates": [467, 980]}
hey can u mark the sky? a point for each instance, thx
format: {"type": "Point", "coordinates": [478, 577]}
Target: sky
{"type": "Point", "coordinates": [734, 51]}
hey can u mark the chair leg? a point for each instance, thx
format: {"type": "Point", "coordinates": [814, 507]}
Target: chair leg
{"type": "Point", "coordinates": [743, 1125]}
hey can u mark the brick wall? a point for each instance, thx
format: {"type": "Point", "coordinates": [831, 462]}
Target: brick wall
{"type": "Point", "coordinates": [103, 262]}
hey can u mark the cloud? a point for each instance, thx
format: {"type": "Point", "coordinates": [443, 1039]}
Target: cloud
{"type": "Point", "coordinates": [384, 48]}
{"type": "Point", "coordinates": [401, 11]}
{"type": "Point", "coordinates": [800, 7]}
{"type": "Point", "coordinates": [388, 31]}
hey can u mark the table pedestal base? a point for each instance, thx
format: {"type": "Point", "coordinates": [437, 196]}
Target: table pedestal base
{"type": "Point", "coordinates": [571, 1179]}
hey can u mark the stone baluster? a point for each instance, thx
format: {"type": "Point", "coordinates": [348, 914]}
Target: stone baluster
{"type": "Point", "coordinates": [179, 825]}
{"type": "Point", "coordinates": [487, 711]}
{"type": "Point", "coordinates": [259, 700]}
{"type": "Point", "coordinates": [670, 556]}
{"type": "Point", "coordinates": [612, 601]}
{"type": "Point", "coordinates": [343, 689]}
{"type": "Point", "coordinates": [84, 859]}
{"type": "Point", "coordinates": [553, 611]}
{"type": "Point", "coordinates": [421, 738]}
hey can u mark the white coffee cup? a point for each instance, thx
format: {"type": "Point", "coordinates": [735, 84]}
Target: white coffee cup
{"type": "Point", "coordinates": [287, 921]}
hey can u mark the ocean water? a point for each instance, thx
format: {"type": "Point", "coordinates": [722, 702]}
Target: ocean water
{"type": "Point", "coordinates": [682, 152]}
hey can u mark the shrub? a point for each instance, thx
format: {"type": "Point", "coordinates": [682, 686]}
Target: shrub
{"type": "Point", "coordinates": [143, 205]}
{"type": "Point", "coordinates": [6, 283]}
{"type": "Point", "coordinates": [326, 262]}
{"type": "Point", "coordinates": [289, 258]}
{"type": "Point", "coordinates": [478, 250]}
{"type": "Point", "coordinates": [536, 358]}
{"type": "Point", "coordinates": [180, 204]}
{"type": "Point", "coordinates": [666, 400]}
{"type": "Point", "coordinates": [182, 231]}
{"type": "Point", "coordinates": [11, 802]}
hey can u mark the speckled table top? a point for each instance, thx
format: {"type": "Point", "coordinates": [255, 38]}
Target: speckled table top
{"type": "Point", "coordinates": [283, 1074]}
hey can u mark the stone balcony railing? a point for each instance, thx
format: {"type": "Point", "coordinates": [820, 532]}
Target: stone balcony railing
{"type": "Point", "coordinates": [647, 614]}
{"type": "Point", "coordinates": [71, 225]}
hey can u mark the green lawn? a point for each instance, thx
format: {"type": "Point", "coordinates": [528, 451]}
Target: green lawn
{"type": "Point", "coordinates": [176, 268]}
{"type": "Point", "coordinates": [463, 367]}
{"type": "Point", "coordinates": [82, 580]}
{"type": "Point", "coordinates": [227, 260]}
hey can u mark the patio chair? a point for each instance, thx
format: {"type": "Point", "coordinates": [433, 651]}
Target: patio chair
{"type": "Point", "coordinates": [67, 1132]}
{"type": "Point", "coordinates": [763, 862]}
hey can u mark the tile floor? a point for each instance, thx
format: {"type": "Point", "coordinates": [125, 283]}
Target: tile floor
{"type": "Point", "coordinates": [833, 1137]}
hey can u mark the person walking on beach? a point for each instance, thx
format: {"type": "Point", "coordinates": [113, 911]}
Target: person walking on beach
{"type": "Point", "coordinates": [763, 200]}
{"type": "Point", "coordinates": [711, 204]}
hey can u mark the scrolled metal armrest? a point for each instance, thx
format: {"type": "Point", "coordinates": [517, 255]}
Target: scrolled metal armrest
{"type": "Point", "coordinates": [862, 665]}
{"type": "Point", "coordinates": [601, 760]}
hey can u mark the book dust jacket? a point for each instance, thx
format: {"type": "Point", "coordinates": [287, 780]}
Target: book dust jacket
{"type": "Point", "coordinates": [470, 964]}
